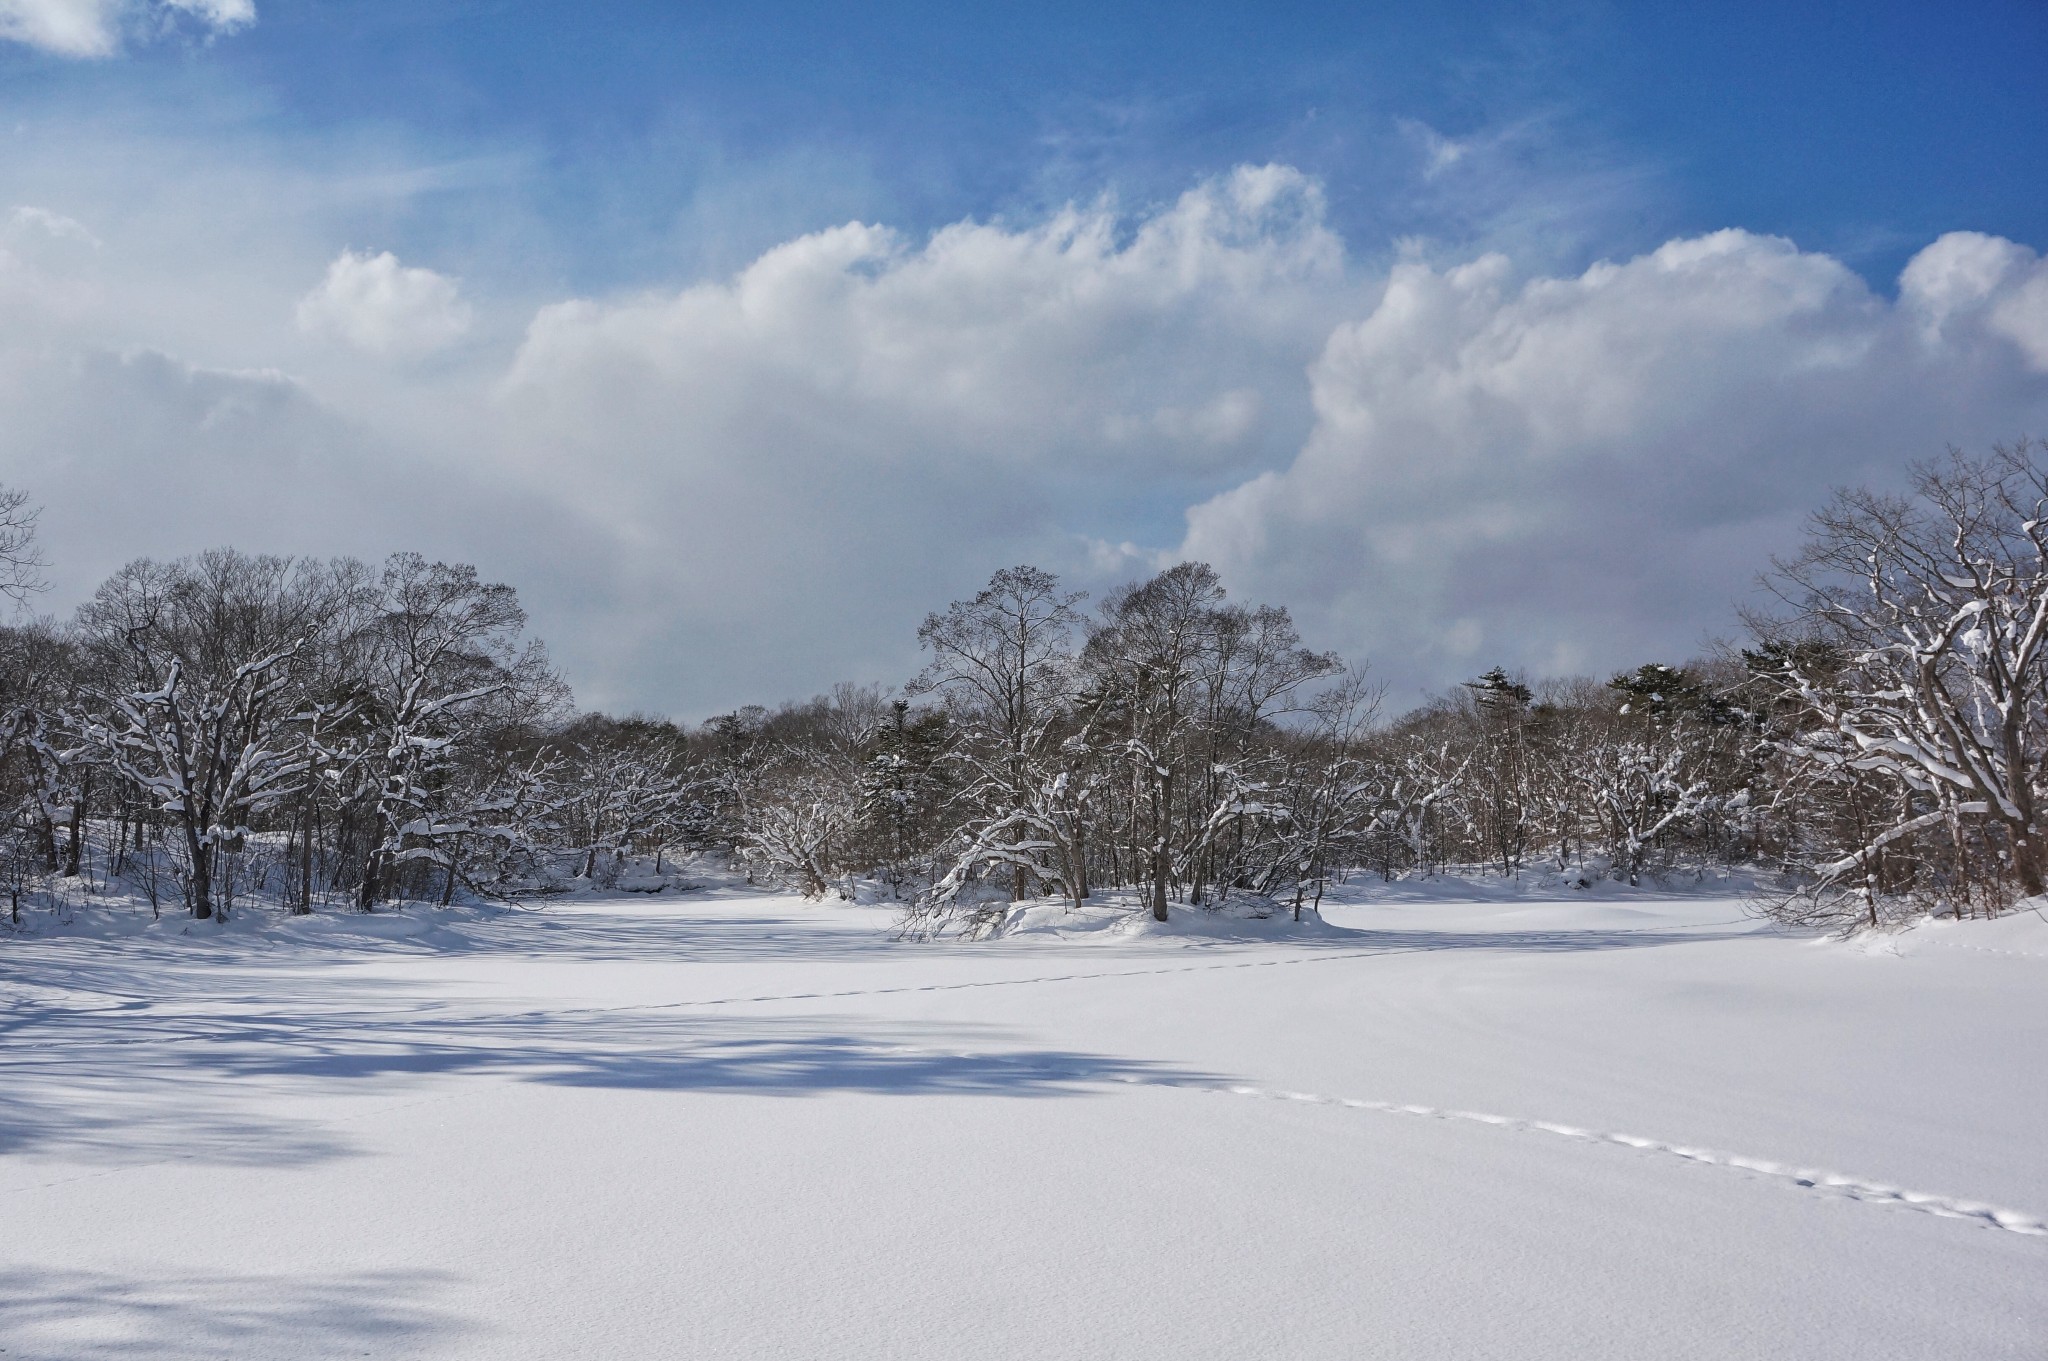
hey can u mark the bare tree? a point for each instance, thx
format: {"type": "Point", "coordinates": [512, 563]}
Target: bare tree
{"type": "Point", "coordinates": [792, 816]}
{"type": "Point", "coordinates": [1421, 795]}
{"type": "Point", "coordinates": [436, 646]}
{"type": "Point", "coordinates": [199, 660]}
{"type": "Point", "coordinates": [1932, 612]}
{"type": "Point", "coordinates": [21, 559]}
{"type": "Point", "coordinates": [1004, 661]}
{"type": "Point", "coordinates": [1145, 666]}
{"type": "Point", "coordinates": [1642, 783]}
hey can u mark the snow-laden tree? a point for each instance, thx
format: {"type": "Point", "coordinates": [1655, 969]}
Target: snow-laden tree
{"type": "Point", "coordinates": [1330, 794]}
{"type": "Point", "coordinates": [1004, 664]}
{"type": "Point", "coordinates": [1146, 663]}
{"type": "Point", "coordinates": [198, 666]}
{"type": "Point", "coordinates": [1915, 646]}
{"type": "Point", "coordinates": [1499, 793]}
{"type": "Point", "coordinates": [1642, 781]}
{"type": "Point", "coordinates": [1257, 673]}
{"type": "Point", "coordinates": [1420, 795]}
{"type": "Point", "coordinates": [438, 657]}
{"type": "Point", "coordinates": [506, 824]}
{"type": "Point", "coordinates": [46, 769]}
{"type": "Point", "coordinates": [905, 787]}
{"type": "Point", "coordinates": [791, 818]}
{"type": "Point", "coordinates": [618, 794]}
{"type": "Point", "coordinates": [1183, 688]}
{"type": "Point", "coordinates": [32, 659]}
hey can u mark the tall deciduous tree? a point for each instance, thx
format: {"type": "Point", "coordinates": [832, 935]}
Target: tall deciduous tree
{"type": "Point", "coordinates": [198, 660]}
{"type": "Point", "coordinates": [1932, 610]}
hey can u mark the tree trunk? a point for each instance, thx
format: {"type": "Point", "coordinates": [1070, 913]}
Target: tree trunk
{"type": "Point", "coordinates": [372, 888]}
{"type": "Point", "coordinates": [76, 850]}
{"type": "Point", "coordinates": [2026, 864]}
{"type": "Point", "coordinates": [1023, 883]}
{"type": "Point", "coordinates": [202, 875]}
{"type": "Point", "coordinates": [1162, 860]}
{"type": "Point", "coordinates": [448, 888]}
{"type": "Point", "coordinates": [304, 906]}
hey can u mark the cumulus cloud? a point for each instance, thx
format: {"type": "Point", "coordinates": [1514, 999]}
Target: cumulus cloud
{"type": "Point", "coordinates": [756, 485]}
{"type": "Point", "coordinates": [97, 28]}
{"type": "Point", "coordinates": [1580, 473]}
{"type": "Point", "coordinates": [1969, 281]}
{"type": "Point", "coordinates": [380, 306]}
{"type": "Point", "coordinates": [857, 426]}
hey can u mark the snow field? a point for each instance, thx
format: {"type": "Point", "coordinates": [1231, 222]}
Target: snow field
{"type": "Point", "coordinates": [732, 1125]}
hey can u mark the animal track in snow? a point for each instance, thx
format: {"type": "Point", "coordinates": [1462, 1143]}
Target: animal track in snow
{"type": "Point", "coordinates": [1815, 1179]}
{"type": "Point", "coordinates": [1986, 950]}
{"type": "Point", "coordinates": [1807, 1178]}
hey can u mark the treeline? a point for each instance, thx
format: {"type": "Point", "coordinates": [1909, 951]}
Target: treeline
{"type": "Point", "coordinates": [229, 727]}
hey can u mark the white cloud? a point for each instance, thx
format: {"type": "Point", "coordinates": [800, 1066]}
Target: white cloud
{"type": "Point", "coordinates": [754, 486]}
{"type": "Point", "coordinates": [1588, 471]}
{"type": "Point", "coordinates": [856, 427]}
{"type": "Point", "coordinates": [71, 28]}
{"type": "Point", "coordinates": [376, 304]}
{"type": "Point", "coordinates": [1969, 279]}
{"type": "Point", "coordinates": [96, 28]}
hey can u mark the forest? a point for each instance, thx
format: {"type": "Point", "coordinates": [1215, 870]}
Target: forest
{"type": "Point", "coordinates": [232, 731]}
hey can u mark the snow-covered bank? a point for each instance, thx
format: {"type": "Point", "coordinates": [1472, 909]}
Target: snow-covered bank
{"type": "Point", "coordinates": [729, 1124]}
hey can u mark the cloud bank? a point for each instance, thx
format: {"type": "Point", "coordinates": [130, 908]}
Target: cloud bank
{"type": "Point", "coordinates": [750, 487]}
{"type": "Point", "coordinates": [856, 427]}
{"type": "Point", "coordinates": [1571, 473]}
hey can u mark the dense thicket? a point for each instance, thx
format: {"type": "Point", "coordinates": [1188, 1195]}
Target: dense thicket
{"type": "Point", "coordinates": [229, 728]}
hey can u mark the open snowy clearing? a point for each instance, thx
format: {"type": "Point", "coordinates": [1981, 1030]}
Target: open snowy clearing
{"type": "Point", "coordinates": [725, 1124]}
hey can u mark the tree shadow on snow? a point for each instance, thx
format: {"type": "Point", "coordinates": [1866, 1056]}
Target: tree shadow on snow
{"type": "Point", "coordinates": [57, 1315]}
{"type": "Point", "coordinates": [662, 930]}
{"type": "Point", "coordinates": [649, 1049]}
{"type": "Point", "coordinates": [212, 1097]}
{"type": "Point", "coordinates": [102, 1118]}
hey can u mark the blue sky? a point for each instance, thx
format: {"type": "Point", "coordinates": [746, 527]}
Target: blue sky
{"type": "Point", "coordinates": [652, 139]}
{"type": "Point", "coordinates": [588, 209]}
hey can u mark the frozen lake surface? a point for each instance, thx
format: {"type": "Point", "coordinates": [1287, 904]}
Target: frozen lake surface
{"type": "Point", "coordinates": [1455, 1122]}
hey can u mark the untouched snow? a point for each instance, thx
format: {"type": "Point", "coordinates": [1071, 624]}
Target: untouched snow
{"type": "Point", "coordinates": [1453, 1121]}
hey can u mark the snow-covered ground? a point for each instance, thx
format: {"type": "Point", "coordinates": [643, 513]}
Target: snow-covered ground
{"type": "Point", "coordinates": [1542, 1123]}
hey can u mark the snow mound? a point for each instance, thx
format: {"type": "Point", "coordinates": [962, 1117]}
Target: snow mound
{"type": "Point", "coordinates": [2020, 934]}
{"type": "Point", "coordinates": [1124, 916]}
{"type": "Point", "coordinates": [1541, 884]}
